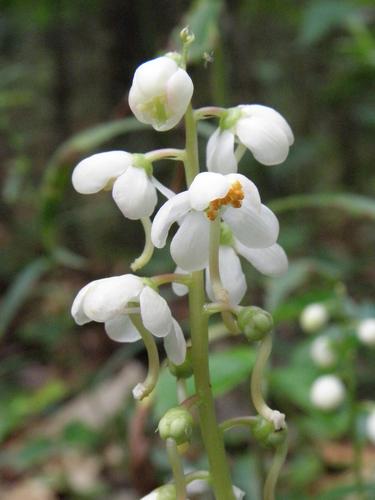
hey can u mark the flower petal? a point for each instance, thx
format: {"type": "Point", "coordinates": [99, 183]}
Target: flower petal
{"type": "Point", "coordinates": [108, 297]}
{"type": "Point", "coordinates": [94, 173]}
{"type": "Point", "coordinates": [134, 193]}
{"type": "Point", "coordinates": [189, 246]}
{"type": "Point", "coordinates": [151, 77]}
{"type": "Point", "coordinates": [253, 229]}
{"type": "Point", "coordinates": [220, 152]}
{"type": "Point", "coordinates": [178, 288]}
{"type": "Point", "coordinates": [207, 186]}
{"type": "Point", "coordinates": [271, 261]}
{"type": "Point", "coordinates": [175, 344]}
{"type": "Point", "coordinates": [270, 114]}
{"type": "Point", "coordinates": [121, 329]}
{"type": "Point", "coordinates": [179, 90]}
{"type": "Point", "coordinates": [232, 277]}
{"type": "Point", "coordinates": [77, 310]}
{"type": "Point", "coordinates": [266, 141]}
{"type": "Point", "coordinates": [155, 313]}
{"type": "Point", "coordinates": [169, 213]}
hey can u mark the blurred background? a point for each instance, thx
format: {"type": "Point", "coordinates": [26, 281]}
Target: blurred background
{"type": "Point", "coordinates": [68, 425]}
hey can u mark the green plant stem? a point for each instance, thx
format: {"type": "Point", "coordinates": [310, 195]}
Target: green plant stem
{"type": "Point", "coordinates": [238, 421]}
{"type": "Point", "coordinates": [145, 388]}
{"type": "Point", "coordinates": [273, 474]}
{"type": "Point", "coordinates": [260, 405]}
{"type": "Point", "coordinates": [212, 437]}
{"type": "Point", "coordinates": [148, 249]}
{"type": "Point", "coordinates": [177, 469]}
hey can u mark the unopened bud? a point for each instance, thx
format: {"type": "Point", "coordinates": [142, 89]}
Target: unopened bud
{"type": "Point", "coordinates": [187, 36]}
{"type": "Point", "coordinates": [254, 322]}
{"type": "Point", "coordinates": [313, 317]}
{"type": "Point", "coordinates": [366, 331]}
{"type": "Point", "coordinates": [185, 370]}
{"type": "Point", "coordinates": [264, 432]}
{"type": "Point", "coordinates": [327, 392]}
{"type": "Point", "coordinates": [176, 424]}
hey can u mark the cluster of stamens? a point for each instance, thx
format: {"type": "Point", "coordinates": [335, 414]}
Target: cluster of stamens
{"type": "Point", "coordinates": [234, 198]}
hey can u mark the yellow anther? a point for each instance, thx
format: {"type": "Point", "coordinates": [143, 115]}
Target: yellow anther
{"type": "Point", "coordinates": [234, 198]}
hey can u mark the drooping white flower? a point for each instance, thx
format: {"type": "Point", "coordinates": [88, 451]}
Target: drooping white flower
{"type": "Point", "coordinates": [129, 176]}
{"type": "Point", "coordinates": [327, 392]}
{"type": "Point", "coordinates": [370, 426]}
{"type": "Point", "coordinates": [322, 353]}
{"type": "Point", "coordinates": [233, 198]}
{"type": "Point", "coordinates": [366, 331]}
{"type": "Point", "coordinates": [111, 300]}
{"type": "Point", "coordinates": [260, 128]}
{"type": "Point", "coordinates": [313, 317]}
{"type": "Point", "coordinates": [160, 93]}
{"type": "Point", "coordinates": [271, 261]}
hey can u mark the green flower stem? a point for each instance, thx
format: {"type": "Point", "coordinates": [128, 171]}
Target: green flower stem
{"type": "Point", "coordinates": [237, 422]}
{"type": "Point", "coordinates": [163, 279]}
{"type": "Point", "coordinates": [145, 388]}
{"type": "Point", "coordinates": [211, 435]}
{"type": "Point", "coordinates": [166, 154]}
{"type": "Point", "coordinates": [221, 295]}
{"type": "Point", "coordinates": [217, 307]}
{"type": "Point", "coordinates": [148, 249]}
{"type": "Point", "coordinates": [177, 469]}
{"type": "Point", "coordinates": [260, 405]}
{"type": "Point", "coordinates": [208, 112]}
{"type": "Point", "coordinates": [274, 472]}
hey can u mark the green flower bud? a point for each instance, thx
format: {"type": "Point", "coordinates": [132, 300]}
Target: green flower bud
{"type": "Point", "coordinates": [275, 438]}
{"type": "Point", "coordinates": [254, 322]}
{"type": "Point", "coordinates": [176, 424]}
{"type": "Point", "coordinates": [185, 370]}
{"type": "Point", "coordinates": [262, 429]}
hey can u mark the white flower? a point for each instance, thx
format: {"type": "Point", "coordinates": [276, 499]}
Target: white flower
{"type": "Point", "coordinates": [313, 317]}
{"type": "Point", "coordinates": [111, 300]}
{"type": "Point", "coordinates": [160, 93]}
{"type": "Point", "coordinates": [322, 353]}
{"type": "Point", "coordinates": [327, 392]}
{"type": "Point", "coordinates": [271, 261]}
{"type": "Point", "coordinates": [366, 331]}
{"type": "Point", "coordinates": [370, 426]}
{"type": "Point", "coordinates": [260, 128]}
{"type": "Point", "coordinates": [234, 198]}
{"type": "Point", "coordinates": [129, 177]}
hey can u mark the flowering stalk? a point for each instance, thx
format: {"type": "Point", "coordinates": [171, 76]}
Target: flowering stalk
{"type": "Point", "coordinates": [178, 472]}
{"type": "Point", "coordinates": [143, 389]}
{"type": "Point", "coordinates": [211, 435]}
{"type": "Point", "coordinates": [148, 249]}
{"type": "Point", "coordinates": [273, 474]}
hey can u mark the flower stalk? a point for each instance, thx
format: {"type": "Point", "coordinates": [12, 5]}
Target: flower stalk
{"type": "Point", "coordinates": [177, 469]}
{"type": "Point", "coordinates": [211, 435]}
{"type": "Point", "coordinates": [144, 388]}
